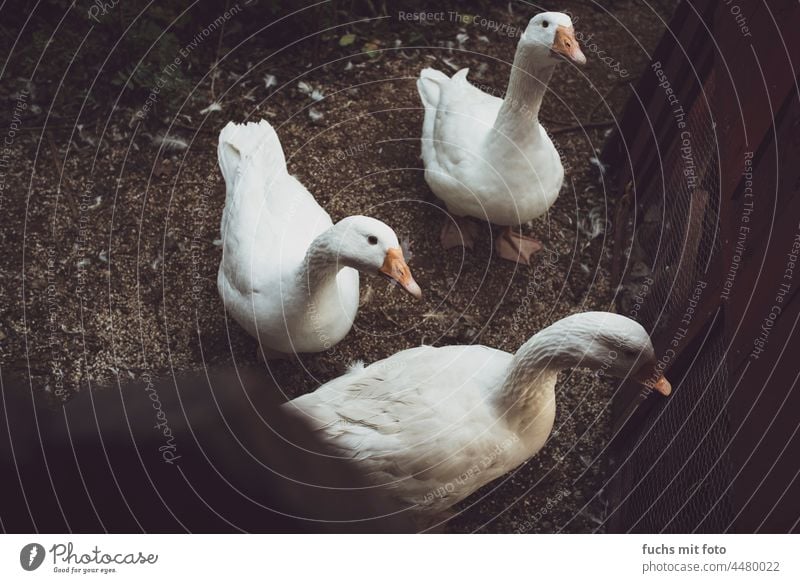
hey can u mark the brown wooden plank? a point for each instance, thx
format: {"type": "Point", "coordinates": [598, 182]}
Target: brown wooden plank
{"type": "Point", "coordinates": [772, 220]}
{"type": "Point", "coordinates": [776, 173]}
{"type": "Point", "coordinates": [776, 176]}
{"type": "Point", "coordinates": [763, 414]}
{"type": "Point", "coordinates": [637, 138]}
{"type": "Point", "coordinates": [698, 114]}
{"type": "Point", "coordinates": [630, 121]}
{"type": "Point", "coordinates": [758, 284]}
{"type": "Point", "coordinates": [746, 61]}
{"type": "Point", "coordinates": [680, 72]}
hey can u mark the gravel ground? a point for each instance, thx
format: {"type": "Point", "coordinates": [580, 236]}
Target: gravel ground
{"type": "Point", "coordinates": [118, 266]}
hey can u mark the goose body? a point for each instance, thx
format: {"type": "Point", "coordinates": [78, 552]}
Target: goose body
{"type": "Point", "coordinates": [290, 276]}
{"type": "Point", "coordinates": [432, 425]}
{"type": "Point", "coordinates": [477, 169]}
{"type": "Point", "coordinates": [490, 158]}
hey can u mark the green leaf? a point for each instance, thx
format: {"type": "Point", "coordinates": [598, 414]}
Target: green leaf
{"type": "Point", "coordinates": [347, 40]}
{"type": "Point", "coordinates": [371, 49]}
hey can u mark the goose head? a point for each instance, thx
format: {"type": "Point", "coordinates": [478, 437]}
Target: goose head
{"type": "Point", "coordinates": [615, 345]}
{"type": "Point", "coordinates": [550, 38]}
{"type": "Point", "coordinates": [371, 247]}
{"type": "Point", "coordinates": [609, 343]}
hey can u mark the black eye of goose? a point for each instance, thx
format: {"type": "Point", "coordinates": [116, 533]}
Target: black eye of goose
{"type": "Point", "coordinates": [372, 240]}
{"type": "Point", "coordinates": [545, 24]}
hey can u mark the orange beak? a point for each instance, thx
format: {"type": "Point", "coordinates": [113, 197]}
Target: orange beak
{"type": "Point", "coordinates": [395, 269]}
{"type": "Point", "coordinates": [661, 384]}
{"type": "Point", "coordinates": [567, 46]}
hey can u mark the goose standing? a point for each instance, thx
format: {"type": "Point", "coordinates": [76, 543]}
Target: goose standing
{"type": "Point", "coordinates": [490, 158]}
{"type": "Point", "coordinates": [288, 275]}
{"type": "Point", "coordinates": [432, 425]}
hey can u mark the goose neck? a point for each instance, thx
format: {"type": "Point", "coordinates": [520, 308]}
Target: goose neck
{"type": "Point", "coordinates": [531, 377]}
{"type": "Point", "coordinates": [320, 265]}
{"type": "Point", "coordinates": [526, 88]}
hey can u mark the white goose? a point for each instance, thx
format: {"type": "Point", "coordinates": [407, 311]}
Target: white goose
{"type": "Point", "coordinates": [490, 158]}
{"type": "Point", "coordinates": [432, 425]}
{"type": "Point", "coordinates": [288, 275]}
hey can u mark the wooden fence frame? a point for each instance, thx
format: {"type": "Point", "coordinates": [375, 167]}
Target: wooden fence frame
{"type": "Point", "coordinates": [738, 63]}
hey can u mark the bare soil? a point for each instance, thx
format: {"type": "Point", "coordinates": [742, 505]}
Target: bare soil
{"type": "Point", "coordinates": [110, 267]}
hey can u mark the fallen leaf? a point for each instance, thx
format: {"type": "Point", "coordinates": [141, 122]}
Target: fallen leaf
{"type": "Point", "coordinates": [371, 48]}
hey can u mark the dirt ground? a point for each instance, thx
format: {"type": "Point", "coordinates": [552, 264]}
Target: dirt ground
{"type": "Point", "coordinates": [110, 267]}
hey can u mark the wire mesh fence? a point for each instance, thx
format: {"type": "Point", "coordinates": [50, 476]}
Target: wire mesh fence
{"type": "Point", "coordinates": [679, 463]}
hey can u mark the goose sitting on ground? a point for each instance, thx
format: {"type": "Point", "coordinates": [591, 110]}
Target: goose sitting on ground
{"type": "Point", "coordinates": [432, 425]}
{"type": "Point", "coordinates": [288, 275]}
{"type": "Point", "coordinates": [488, 157]}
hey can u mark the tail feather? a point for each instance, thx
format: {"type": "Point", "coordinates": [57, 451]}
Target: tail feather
{"type": "Point", "coordinates": [429, 86]}
{"type": "Point", "coordinates": [243, 145]}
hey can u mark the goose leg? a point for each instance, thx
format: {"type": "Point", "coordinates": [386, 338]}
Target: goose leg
{"type": "Point", "coordinates": [516, 247]}
{"type": "Point", "coordinates": [458, 232]}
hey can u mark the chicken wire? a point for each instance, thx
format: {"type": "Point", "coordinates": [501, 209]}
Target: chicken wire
{"type": "Point", "coordinates": [674, 473]}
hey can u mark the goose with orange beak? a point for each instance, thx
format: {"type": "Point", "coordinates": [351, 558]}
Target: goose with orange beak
{"type": "Point", "coordinates": [394, 269]}
{"type": "Point", "coordinates": [289, 275]}
{"type": "Point", "coordinates": [651, 377]}
{"type": "Point", "coordinates": [488, 157]}
{"type": "Point", "coordinates": [417, 422]}
{"type": "Point", "coordinates": [566, 46]}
